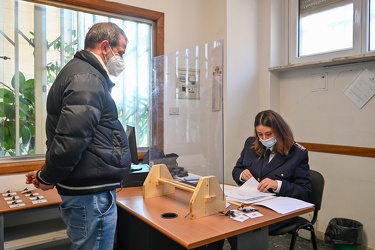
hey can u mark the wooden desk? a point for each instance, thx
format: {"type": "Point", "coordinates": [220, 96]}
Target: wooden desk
{"type": "Point", "coordinates": [140, 225]}
{"type": "Point", "coordinates": [26, 231]}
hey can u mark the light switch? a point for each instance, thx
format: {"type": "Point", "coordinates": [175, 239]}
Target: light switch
{"type": "Point", "coordinates": [174, 110]}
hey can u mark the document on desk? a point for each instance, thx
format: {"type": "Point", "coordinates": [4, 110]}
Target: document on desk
{"type": "Point", "coordinates": [284, 205]}
{"type": "Point", "coordinates": [247, 193]}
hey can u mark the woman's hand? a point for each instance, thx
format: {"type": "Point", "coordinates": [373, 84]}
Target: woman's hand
{"type": "Point", "coordinates": [266, 184]}
{"type": "Point", "coordinates": [245, 175]}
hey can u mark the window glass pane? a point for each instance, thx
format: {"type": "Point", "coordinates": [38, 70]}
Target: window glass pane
{"type": "Point", "coordinates": [192, 81]}
{"type": "Point", "coordinates": [326, 29]}
{"type": "Point", "coordinates": [40, 40]}
{"type": "Point", "coordinates": [372, 25]}
{"type": "Point", "coordinates": [17, 113]}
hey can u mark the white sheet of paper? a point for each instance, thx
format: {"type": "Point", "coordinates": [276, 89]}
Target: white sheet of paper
{"type": "Point", "coordinates": [284, 205]}
{"type": "Point", "coordinates": [247, 191]}
{"type": "Point", "coordinates": [362, 89]}
{"type": "Point", "coordinates": [226, 188]}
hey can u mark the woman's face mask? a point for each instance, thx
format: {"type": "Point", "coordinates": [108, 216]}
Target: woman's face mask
{"type": "Point", "coordinates": [269, 142]}
{"type": "Point", "coordinates": [115, 65]}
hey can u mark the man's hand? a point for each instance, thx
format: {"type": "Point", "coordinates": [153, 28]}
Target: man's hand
{"type": "Point", "coordinates": [31, 179]}
{"type": "Point", "coordinates": [45, 187]}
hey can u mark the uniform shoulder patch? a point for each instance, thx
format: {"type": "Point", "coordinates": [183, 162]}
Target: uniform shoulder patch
{"type": "Point", "coordinates": [299, 146]}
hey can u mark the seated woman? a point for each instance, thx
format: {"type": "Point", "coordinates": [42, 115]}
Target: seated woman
{"type": "Point", "coordinates": [276, 161]}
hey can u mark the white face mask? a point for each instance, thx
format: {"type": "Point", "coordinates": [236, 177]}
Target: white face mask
{"type": "Point", "coordinates": [115, 65]}
{"type": "Point", "coordinates": [269, 142]}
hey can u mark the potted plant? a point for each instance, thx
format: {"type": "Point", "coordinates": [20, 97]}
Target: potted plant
{"type": "Point", "coordinates": [26, 118]}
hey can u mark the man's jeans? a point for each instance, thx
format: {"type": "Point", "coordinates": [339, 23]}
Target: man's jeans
{"type": "Point", "coordinates": [91, 220]}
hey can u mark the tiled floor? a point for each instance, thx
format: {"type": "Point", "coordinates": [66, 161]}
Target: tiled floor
{"type": "Point", "coordinates": [274, 243]}
{"type": "Point", "coordinates": [283, 242]}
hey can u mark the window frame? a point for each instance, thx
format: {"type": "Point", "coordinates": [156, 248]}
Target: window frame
{"type": "Point", "coordinates": [10, 165]}
{"type": "Point", "coordinates": [360, 36]}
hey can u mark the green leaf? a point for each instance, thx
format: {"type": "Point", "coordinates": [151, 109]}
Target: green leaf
{"type": "Point", "coordinates": [11, 152]}
{"type": "Point", "coordinates": [7, 95]}
{"type": "Point", "coordinates": [9, 111]}
{"type": "Point", "coordinates": [28, 90]}
{"type": "Point", "coordinates": [9, 135]}
{"type": "Point", "coordinates": [26, 104]}
{"type": "Point", "coordinates": [2, 109]}
{"type": "Point", "coordinates": [31, 127]}
{"type": "Point", "coordinates": [2, 132]}
{"type": "Point", "coordinates": [21, 79]}
{"type": "Point", "coordinates": [25, 135]}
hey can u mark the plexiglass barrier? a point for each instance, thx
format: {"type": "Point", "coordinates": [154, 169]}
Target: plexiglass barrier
{"type": "Point", "coordinates": [187, 111]}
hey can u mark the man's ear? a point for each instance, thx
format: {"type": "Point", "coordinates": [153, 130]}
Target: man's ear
{"type": "Point", "coordinates": [103, 46]}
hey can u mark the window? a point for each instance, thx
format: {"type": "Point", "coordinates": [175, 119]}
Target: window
{"type": "Point", "coordinates": [39, 39]}
{"type": "Point", "coordinates": [333, 24]}
{"type": "Point", "coordinates": [372, 25]}
{"type": "Point", "coordinates": [327, 29]}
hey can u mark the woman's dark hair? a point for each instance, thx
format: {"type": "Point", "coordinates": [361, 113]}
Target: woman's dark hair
{"type": "Point", "coordinates": [104, 31]}
{"type": "Point", "coordinates": [282, 131]}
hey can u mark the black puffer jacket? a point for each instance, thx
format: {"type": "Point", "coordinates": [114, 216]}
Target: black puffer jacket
{"type": "Point", "coordinates": [87, 148]}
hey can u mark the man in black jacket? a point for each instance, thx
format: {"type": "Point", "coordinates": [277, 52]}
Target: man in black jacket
{"type": "Point", "coordinates": [87, 148]}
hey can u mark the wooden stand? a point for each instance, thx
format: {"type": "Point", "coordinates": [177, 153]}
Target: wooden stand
{"type": "Point", "coordinates": [207, 198]}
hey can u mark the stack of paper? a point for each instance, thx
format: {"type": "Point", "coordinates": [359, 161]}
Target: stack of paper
{"type": "Point", "coordinates": [247, 193]}
{"type": "Point", "coordinates": [284, 205]}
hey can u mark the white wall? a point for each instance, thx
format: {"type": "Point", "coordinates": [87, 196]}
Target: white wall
{"type": "Point", "coordinates": [254, 39]}
{"type": "Point", "coordinates": [242, 89]}
{"type": "Point", "coordinates": [319, 112]}
{"type": "Point", "coordinates": [187, 23]}
{"type": "Point", "coordinates": [313, 103]}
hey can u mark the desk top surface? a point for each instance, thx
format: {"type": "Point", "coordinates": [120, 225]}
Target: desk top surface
{"type": "Point", "coordinates": [51, 196]}
{"type": "Point", "coordinates": [188, 233]}
{"type": "Point", "coordinates": [192, 233]}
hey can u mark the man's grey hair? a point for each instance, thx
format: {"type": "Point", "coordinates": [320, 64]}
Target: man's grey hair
{"type": "Point", "coordinates": [104, 31]}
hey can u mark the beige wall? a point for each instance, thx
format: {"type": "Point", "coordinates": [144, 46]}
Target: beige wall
{"type": "Point", "coordinates": [254, 39]}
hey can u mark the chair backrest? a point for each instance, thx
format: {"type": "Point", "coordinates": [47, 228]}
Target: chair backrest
{"type": "Point", "coordinates": [317, 182]}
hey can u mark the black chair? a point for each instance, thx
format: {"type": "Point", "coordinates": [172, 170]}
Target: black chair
{"type": "Point", "coordinates": [317, 181]}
